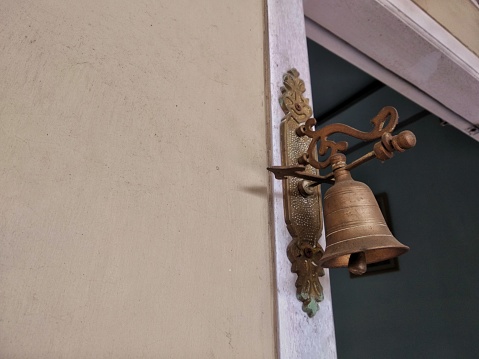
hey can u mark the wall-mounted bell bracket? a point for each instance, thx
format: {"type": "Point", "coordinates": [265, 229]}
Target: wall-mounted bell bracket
{"type": "Point", "coordinates": [301, 147]}
{"type": "Point", "coordinates": [302, 213]}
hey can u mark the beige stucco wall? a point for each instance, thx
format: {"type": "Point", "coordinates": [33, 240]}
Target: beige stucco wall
{"type": "Point", "coordinates": [134, 207]}
{"type": "Point", "coordinates": [459, 17]}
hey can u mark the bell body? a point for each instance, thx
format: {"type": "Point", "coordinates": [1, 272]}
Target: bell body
{"type": "Point", "coordinates": [354, 224]}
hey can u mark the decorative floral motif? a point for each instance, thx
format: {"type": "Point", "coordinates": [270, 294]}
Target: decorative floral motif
{"type": "Point", "coordinates": [292, 101]}
{"type": "Point", "coordinates": [305, 263]}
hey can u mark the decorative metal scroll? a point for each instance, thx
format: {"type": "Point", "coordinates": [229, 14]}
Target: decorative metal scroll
{"type": "Point", "coordinates": [383, 124]}
{"type": "Point", "coordinates": [321, 144]}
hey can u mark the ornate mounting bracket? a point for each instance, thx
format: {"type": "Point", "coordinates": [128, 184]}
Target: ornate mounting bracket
{"type": "Point", "coordinates": [302, 213]}
{"type": "Point", "coordinates": [301, 146]}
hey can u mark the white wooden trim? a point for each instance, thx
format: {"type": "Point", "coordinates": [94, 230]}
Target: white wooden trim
{"type": "Point", "coordinates": [421, 60]}
{"type": "Point", "coordinates": [434, 33]}
{"type": "Point", "coordinates": [341, 48]}
{"type": "Point", "coordinates": [298, 336]}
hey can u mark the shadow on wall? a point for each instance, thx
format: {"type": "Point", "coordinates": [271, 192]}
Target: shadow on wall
{"type": "Point", "coordinates": [429, 308]}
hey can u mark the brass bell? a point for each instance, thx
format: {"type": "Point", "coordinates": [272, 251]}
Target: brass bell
{"type": "Point", "coordinates": [356, 232]}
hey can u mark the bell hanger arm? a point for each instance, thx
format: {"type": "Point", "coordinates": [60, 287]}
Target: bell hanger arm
{"type": "Point", "coordinates": [382, 150]}
{"type": "Point", "coordinates": [384, 122]}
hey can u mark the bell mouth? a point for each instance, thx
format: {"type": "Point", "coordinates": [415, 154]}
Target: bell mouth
{"type": "Point", "coordinates": [373, 255]}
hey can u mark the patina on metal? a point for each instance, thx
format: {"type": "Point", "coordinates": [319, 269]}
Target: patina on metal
{"type": "Point", "coordinates": [356, 232]}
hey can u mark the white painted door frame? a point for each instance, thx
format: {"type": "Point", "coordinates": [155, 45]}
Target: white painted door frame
{"type": "Point", "coordinates": [392, 40]}
{"type": "Point", "coordinates": [297, 335]}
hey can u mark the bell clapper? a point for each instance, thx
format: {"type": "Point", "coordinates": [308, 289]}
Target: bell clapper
{"type": "Point", "coordinates": [357, 263]}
